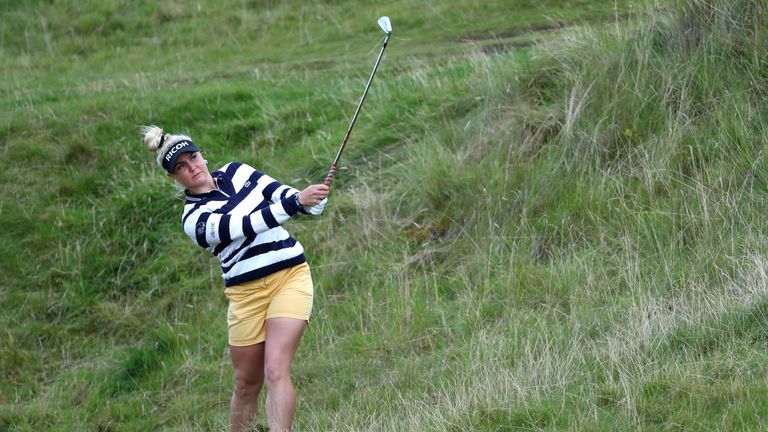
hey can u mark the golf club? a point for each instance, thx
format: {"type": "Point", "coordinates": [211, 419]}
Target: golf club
{"type": "Point", "coordinates": [387, 27]}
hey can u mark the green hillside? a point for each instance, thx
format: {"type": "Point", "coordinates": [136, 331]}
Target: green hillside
{"type": "Point", "coordinates": [550, 215]}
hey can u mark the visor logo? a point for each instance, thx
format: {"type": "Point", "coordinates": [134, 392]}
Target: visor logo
{"type": "Point", "coordinates": [175, 149]}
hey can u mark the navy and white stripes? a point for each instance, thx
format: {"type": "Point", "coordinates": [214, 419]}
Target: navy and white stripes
{"type": "Point", "coordinates": [240, 223]}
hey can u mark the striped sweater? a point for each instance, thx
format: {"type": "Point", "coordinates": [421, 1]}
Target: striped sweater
{"type": "Point", "coordinates": [239, 222]}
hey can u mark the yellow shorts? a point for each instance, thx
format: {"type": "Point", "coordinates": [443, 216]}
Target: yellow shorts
{"type": "Point", "coordinates": [287, 294]}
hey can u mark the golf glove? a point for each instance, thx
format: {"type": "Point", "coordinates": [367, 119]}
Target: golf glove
{"type": "Point", "coordinates": [316, 210]}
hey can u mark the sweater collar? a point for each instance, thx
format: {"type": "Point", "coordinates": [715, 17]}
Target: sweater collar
{"type": "Point", "coordinates": [217, 176]}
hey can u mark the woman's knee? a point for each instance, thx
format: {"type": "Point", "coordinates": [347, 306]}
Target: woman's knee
{"type": "Point", "coordinates": [248, 386]}
{"type": "Point", "coordinates": [249, 369]}
{"type": "Point", "coordinates": [276, 371]}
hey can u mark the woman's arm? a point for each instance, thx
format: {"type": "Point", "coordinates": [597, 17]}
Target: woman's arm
{"type": "Point", "coordinates": [209, 229]}
{"type": "Point", "coordinates": [309, 197]}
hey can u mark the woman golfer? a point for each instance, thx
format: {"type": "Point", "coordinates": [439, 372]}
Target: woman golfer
{"type": "Point", "coordinates": [236, 214]}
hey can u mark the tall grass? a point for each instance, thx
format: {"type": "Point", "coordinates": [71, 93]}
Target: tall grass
{"type": "Point", "coordinates": [566, 237]}
{"type": "Point", "coordinates": [627, 230]}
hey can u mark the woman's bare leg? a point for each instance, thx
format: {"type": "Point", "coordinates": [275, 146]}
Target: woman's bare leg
{"type": "Point", "coordinates": [248, 362]}
{"type": "Point", "coordinates": [283, 337]}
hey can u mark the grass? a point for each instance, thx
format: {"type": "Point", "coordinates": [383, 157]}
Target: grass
{"type": "Point", "coordinates": [549, 217]}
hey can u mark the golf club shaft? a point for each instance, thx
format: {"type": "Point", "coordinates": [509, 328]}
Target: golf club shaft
{"type": "Point", "coordinates": [357, 112]}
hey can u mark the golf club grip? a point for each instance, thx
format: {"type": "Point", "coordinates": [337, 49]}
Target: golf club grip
{"type": "Point", "coordinates": [330, 175]}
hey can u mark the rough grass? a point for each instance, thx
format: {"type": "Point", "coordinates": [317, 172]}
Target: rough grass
{"type": "Point", "coordinates": [565, 236]}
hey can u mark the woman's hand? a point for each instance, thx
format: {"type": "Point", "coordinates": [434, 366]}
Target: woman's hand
{"type": "Point", "coordinates": [313, 194]}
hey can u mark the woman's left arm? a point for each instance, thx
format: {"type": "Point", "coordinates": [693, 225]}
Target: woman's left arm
{"type": "Point", "coordinates": [309, 197]}
{"type": "Point", "coordinates": [275, 191]}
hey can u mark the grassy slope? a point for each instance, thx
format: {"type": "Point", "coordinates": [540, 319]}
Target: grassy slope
{"type": "Point", "coordinates": [569, 237]}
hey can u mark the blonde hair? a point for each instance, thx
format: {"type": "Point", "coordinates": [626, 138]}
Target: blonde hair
{"type": "Point", "coordinates": [160, 142]}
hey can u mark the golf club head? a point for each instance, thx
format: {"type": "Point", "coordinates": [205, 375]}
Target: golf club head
{"type": "Point", "coordinates": [385, 25]}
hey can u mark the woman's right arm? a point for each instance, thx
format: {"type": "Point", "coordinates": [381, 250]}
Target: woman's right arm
{"type": "Point", "coordinates": [209, 229]}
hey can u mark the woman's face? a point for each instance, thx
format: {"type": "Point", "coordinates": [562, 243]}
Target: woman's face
{"type": "Point", "coordinates": [192, 172]}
